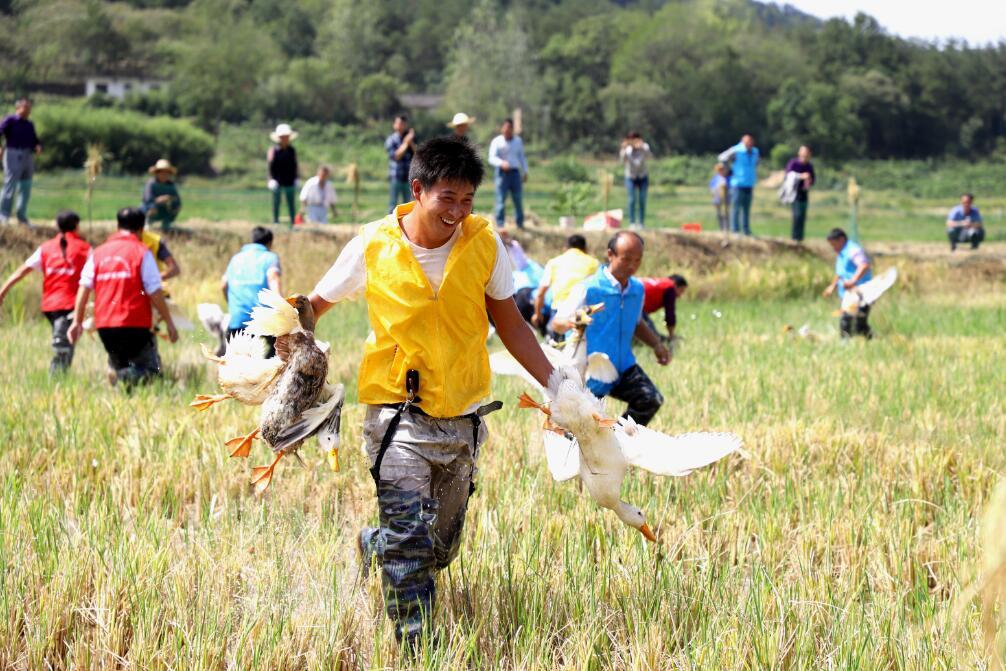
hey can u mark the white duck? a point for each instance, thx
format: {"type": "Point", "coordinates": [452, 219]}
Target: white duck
{"type": "Point", "coordinates": [580, 441]}
{"type": "Point", "coordinates": [215, 321]}
{"type": "Point", "coordinates": [573, 353]}
{"type": "Point", "coordinates": [867, 293]}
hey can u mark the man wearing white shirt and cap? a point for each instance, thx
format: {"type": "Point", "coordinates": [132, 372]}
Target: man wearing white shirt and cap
{"type": "Point", "coordinates": [318, 196]}
{"type": "Point", "coordinates": [460, 123]}
{"type": "Point", "coordinates": [506, 156]}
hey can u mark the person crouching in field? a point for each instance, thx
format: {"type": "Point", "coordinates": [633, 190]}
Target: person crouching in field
{"type": "Point", "coordinates": [123, 275]}
{"type": "Point", "coordinates": [852, 267]}
{"type": "Point", "coordinates": [429, 272]}
{"type": "Point", "coordinates": [964, 224]}
{"type": "Point", "coordinates": [663, 292]}
{"type": "Point", "coordinates": [60, 260]}
{"type": "Point", "coordinates": [612, 330]}
{"type": "Point", "coordinates": [249, 271]}
{"type": "Point", "coordinates": [161, 201]}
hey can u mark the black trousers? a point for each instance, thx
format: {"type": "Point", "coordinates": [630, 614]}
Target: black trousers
{"type": "Point", "coordinates": [849, 325]}
{"type": "Point", "coordinates": [62, 348]}
{"type": "Point", "coordinates": [637, 389]}
{"type": "Point", "coordinates": [132, 354]}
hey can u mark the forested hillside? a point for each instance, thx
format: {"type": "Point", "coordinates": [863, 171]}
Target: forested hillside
{"type": "Point", "coordinates": [689, 74]}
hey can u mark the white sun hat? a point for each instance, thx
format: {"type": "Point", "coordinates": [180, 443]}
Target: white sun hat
{"type": "Point", "coordinates": [460, 119]}
{"type": "Point", "coordinates": [281, 130]}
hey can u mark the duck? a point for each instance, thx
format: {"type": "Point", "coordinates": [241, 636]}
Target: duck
{"type": "Point", "coordinates": [291, 387]}
{"type": "Point", "coordinates": [867, 293]}
{"type": "Point", "coordinates": [571, 352]}
{"type": "Point", "coordinates": [214, 320]}
{"type": "Point", "coordinates": [580, 441]}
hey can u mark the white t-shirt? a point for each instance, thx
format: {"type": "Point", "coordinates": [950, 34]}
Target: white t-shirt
{"type": "Point", "coordinates": [347, 278]}
{"type": "Point", "coordinates": [314, 194]}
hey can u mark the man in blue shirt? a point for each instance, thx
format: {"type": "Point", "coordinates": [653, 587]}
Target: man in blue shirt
{"type": "Point", "coordinates": [612, 330]}
{"type": "Point", "coordinates": [506, 156]}
{"type": "Point", "coordinates": [852, 267]}
{"type": "Point", "coordinates": [21, 146]}
{"type": "Point", "coordinates": [744, 156]}
{"type": "Point", "coordinates": [400, 146]}
{"type": "Point", "coordinates": [252, 269]}
{"type": "Point", "coordinates": [964, 224]}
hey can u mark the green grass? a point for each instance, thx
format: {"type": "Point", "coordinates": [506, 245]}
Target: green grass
{"type": "Point", "coordinates": [128, 537]}
{"type": "Point", "coordinates": [884, 215]}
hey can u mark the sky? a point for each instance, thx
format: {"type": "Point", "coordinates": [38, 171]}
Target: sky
{"type": "Point", "coordinates": [977, 21]}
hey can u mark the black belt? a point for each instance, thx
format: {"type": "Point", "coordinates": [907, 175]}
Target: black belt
{"type": "Point", "coordinates": [409, 405]}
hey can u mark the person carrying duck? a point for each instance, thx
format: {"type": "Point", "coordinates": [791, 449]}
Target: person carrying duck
{"type": "Point", "coordinates": [429, 271]}
{"type": "Point", "coordinates": [60, 261]}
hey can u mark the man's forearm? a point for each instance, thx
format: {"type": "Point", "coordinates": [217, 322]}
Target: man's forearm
{"type": "Point", "coordinates": [860, 271]}
{"type": "Point", "coordinates": [80, 304]}
{"type": "Point", "coordinates": [320, 305]}
{"type": "Point", "coordinates": [646, 334]}
{"type": "Point", "coordinates": [518, 338]}
{"type": "Point", "coordinates": [157, 300]}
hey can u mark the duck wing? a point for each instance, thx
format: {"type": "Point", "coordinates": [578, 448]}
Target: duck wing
{"type": "Point", "coordinates": [672, 455]}
{"type": "Point", "coordinates": [245, 371]}
{"type": "Point", "coordinates": [600, 368]}
{"type": "Point", "coordinates": [562, 456]}
{"type": "Point", "coordinates": [323, 413]}
{"type": "Point", "coordinates": [273, 316]}
{"type": "Point", "coordinates": [870, 291]}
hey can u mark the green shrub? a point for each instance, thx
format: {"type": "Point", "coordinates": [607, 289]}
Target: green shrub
{"type": "Point", "coordinates": [132, 142]}
{"type": "Point", "coordinates": [568, 169]}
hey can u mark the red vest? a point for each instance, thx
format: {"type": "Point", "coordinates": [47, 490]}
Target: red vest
{"type": "Point", "coordinates": [654, 288]}
{"type": "Point", "coordinates": [119, 299]}
{"type": "Point", "coordinates": [61, 277]}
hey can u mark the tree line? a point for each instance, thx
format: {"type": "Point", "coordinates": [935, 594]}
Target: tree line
{"type": "Point", "coordinates": [690, 75]}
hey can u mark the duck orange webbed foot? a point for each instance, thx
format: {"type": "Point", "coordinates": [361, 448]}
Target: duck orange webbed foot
{"type": "Point", "coordinates": [204, 401]}
{"type": "Point", "coordinates": [526, 401]}
{"type": "Point", "coordinates": [262, 475]}
{"type": "Point", "coordinates": [604, 422]}
{"type": "Point", "coordinates": [242, 444]}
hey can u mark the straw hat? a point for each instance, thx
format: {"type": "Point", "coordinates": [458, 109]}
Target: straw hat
{"type": "Point", "coordinates": [461, 119]}
{"type": "Point", "coordinates": [162, 165]}
{"type": "Point", "coordinates": [281, 130]}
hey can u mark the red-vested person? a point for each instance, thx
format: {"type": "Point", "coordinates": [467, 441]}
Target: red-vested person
{"type": "Point", "coordinates": [663, 292]}
{"type": "Point", "coordinates": [60, 260]}
{"type": "Point", "coordinates": [126, 283]}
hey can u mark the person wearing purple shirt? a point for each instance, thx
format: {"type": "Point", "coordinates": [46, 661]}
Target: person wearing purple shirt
{"type": "Point", "coordinates": [21, 145]}
{"type": "Point", "coordinates": [804, 169]}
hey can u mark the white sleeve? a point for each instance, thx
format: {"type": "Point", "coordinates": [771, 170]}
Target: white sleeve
{"type": "Point", "coordinates": [566, 310]}
{"type": "Point", "coordinates": [501, 284]}
{"type": "Point", "coordinates": [331, 198]}
{"type": "Point", "coordinates": [494, 152]}
{"type": "Point", "coordinates": [347, 278]}
{"type": "Point", "coordinates": [35, 260]}
{"type": "Point", "coordinates": [306, 189]}
{"type": "Point", "coordinates": [87, 273]}
{"type": "Point", "coordinates": [149, 274]}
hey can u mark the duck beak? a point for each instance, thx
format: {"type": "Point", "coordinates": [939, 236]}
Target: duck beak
{"type": "Point", "coordinates": [596, 307]}
{"type": "Point", "coordinates": [647, 533]}
{"type": "Point", "coordinates": [292, 300]}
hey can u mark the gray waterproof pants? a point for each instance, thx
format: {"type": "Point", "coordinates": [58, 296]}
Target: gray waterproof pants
{"type": "Point", "coordinates": [425, 480]}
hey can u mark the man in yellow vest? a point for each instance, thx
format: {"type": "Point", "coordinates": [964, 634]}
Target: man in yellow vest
{"type": "Point", "coordinates": [561, 274]}
{"type": "Point", "coordinates": [429, 271]}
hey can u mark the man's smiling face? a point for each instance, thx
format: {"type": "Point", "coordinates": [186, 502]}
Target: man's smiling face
{"type": "Point", "coordinates": [444, 205]}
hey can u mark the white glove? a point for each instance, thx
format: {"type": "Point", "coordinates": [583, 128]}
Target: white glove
{"type": "Point", "coordinates": [273, 185]}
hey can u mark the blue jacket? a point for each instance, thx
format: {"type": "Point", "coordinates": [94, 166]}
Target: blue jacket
{"type": "Point", "coordinates": [744, 171]}
{"type": "Point", "coordinates": [845, 265]}
{"type": "Point", "coordinates": [613, 328]}
{"type": "Point", "coordinates": [247, 274]}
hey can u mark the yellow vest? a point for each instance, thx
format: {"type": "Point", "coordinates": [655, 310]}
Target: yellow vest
{"type": "Point", "coordinates": [567, 270]}
{"type": "Point", "coordinates": [442, 335]}
{"type": "Point", "coordinates": [153, 243]}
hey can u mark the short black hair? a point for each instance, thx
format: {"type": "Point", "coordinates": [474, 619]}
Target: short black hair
{"type": "Point", "coordinates": [613, 243]}
{"type": "Point", "coordinates": [836, 233]}
{"type": "Point", "coordinates": [67, 220]}
{"type": "Point", "coordinates": [261, 236]}
{"type": "Point", "coordinates": [451, 159]}
{"type": "Point", "coordinates": [131, 219]}
{"type": "Point", "coordinates": [508, 120]}
{"type": "Point", "coordinates": [402, 115]}
{"type": "Point", "coordinates": [577, 241]}
{"type": "Point", "coordinates": [968, 195]}
{"type": "Point", "coordinates": [679, 280]}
